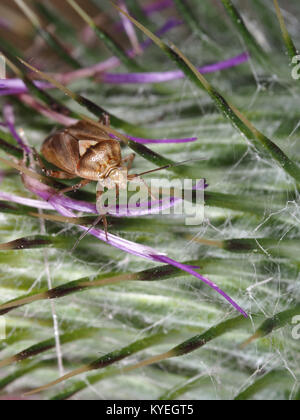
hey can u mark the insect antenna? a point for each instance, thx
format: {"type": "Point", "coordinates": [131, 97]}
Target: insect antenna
{"type": "Point", "coordinates": [172, 165]}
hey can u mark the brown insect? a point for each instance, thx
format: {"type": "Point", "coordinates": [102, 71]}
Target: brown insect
{"type": "Point", "coordinates": [85, 151]}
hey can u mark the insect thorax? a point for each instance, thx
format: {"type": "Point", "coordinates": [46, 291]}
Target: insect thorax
{"type": "Point", "coordinates": [99, 159]}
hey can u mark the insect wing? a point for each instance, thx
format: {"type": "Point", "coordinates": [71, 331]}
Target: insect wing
{"type": "Point", "coordinates": [84, 130]}
{"type": "Point", "coordinates": [62, 150]}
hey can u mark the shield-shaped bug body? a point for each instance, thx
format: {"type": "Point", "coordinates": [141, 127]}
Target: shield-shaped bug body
{"type": "Point", "coordinates": [85, 151]}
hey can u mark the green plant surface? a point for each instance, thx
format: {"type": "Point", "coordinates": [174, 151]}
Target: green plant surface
{"type": "Point", "coordinates": [96, 322]}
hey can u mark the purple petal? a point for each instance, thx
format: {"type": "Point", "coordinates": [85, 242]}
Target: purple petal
{"type": "Point", "coordinates": [25, 201]}
{"type": "Point", "coordinates": [129, 28]}
{"type": "Point", "coordinates": [75, 204]}
{"type": "Point", "coordinates": [19, 85]}
{"type": "Point", "coordinates": [159, 77]}
{"type": "Point", "coordinates": [189, 270]}
{"type": "Point", "coordinates": [9, 92]}
{"type": "Point", "coordinates": [9, 118]}
{"type": "Point", "coordinates": [47, 112]}
{"type": "Point", "coordinates": [144, 209]}
{"type": "Point", "coordinates": [46, 193]}
{"type": "Point", "coordinates": [157, 6]}
{"type": "Point", "coordinates": [170, 24]}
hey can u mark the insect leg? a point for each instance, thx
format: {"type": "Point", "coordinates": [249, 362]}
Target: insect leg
{"type": "Point", "coordinates": [129, 160]}
{"type": "Point", "coordinates": [68, 189]}
{"type": "Point", "coordinates": [135, 176]}
{"type": "Point", "coordinates": [105, 224]}
{"type": "Point", "coordinates": [58, 174]}
{"type": "Point", "coordinates": [104, 218]}
{"type": "Point", "coordinates": [75, 187]}
{"type": "Point", "coordinates": [39, 160]}
{"type": "Point", "coordinates": [83, 235]}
